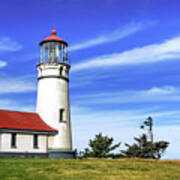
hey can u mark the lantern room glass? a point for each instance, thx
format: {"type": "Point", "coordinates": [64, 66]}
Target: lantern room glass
{"type": "Point", "coordinates": [54, 52]}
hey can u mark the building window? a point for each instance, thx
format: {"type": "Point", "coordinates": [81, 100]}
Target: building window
{"type": "Point", "coordinates": [61, 114]}
{"type": "Point", "coordinates": [13, 140]}
{"type": "Point", "coordinates": [35, 141]}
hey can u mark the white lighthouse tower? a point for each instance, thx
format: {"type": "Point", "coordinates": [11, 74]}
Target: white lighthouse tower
{"type": "Point", "coordinates": [53, 92]}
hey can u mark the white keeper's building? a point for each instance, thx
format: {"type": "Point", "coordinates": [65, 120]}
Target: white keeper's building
{"type": "Point", "coordinates": [46, 133]}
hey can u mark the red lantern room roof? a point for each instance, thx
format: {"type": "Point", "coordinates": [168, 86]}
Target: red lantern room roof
{"type": "Point", "coordinates": [53, 38]}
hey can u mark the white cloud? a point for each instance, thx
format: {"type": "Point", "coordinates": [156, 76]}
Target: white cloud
{"type": "Point", "coordinates": [27, 57]}
{"type": "Point", "coordinates": [155, 94]}
{"type": "Point", "coordinates": [2, 63]}
{"type": "Point", "coordinates": [16, 85]}
{"type": "Point", "coordinates": [123, 125]}
{"type": "Point", "coordinates": [86, 79]}
{"type": "Point", "coordinates": [127, 117]}
{"type": "Point", "coordinates": [9, 104]}
{"type": "Point", "coordinates": [9, 45]}
{"type": "Point", "coordinates": [165, 90]}
{"type": "Point", "coordinates": [153, 53]}
{"type": "Point", "coordinates": [27, 108]}
{"type": "Point", "coordinates": [161, 90]}
{"type": "Point", "coordinates": [116, 35]}
{"type": "Point", "coordinates": [5, 103]}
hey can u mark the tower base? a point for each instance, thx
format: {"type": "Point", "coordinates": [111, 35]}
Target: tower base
{"type": "Point", "coordinates": [62, 153]}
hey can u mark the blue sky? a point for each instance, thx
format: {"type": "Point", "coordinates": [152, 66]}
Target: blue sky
{"type": "Point", "coordinates": [125, 63]}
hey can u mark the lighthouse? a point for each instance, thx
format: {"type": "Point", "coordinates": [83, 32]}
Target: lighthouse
{"type": "Point", "coordinates": [53, 92]}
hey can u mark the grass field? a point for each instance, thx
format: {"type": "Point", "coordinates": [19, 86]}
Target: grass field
{"type": "Point", "coordinates": [101, 169]}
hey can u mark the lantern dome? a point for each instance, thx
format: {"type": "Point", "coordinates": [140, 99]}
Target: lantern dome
{"type": "Point", "coordinates": [54, 50]}
{"type": "Point", "coordinates": [53, 38]}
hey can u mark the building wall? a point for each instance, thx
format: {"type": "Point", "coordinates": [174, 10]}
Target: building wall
{"type": "Point", "coordinates": [24, 143]}
{"type": "Point", "coordinates": [53, 95]}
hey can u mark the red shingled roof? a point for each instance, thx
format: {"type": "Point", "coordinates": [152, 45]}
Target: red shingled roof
{"type": "Point", "coordinates": [23, 121]}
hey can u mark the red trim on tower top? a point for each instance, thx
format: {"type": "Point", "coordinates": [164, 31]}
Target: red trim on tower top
{"type": "Point", "coordinates": [23, 121]}
{"type": "Point", "coordinates": [53, 38]}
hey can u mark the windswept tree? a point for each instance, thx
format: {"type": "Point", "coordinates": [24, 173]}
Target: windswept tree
{"type": "Point", "coordinates": [148, 123]}
{"type": "Point", "coordinates": [145, 147]}
{"type": "Point", "coordinates": [100, 147]}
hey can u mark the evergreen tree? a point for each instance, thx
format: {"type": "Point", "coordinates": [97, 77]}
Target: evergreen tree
{"type": "Point", "coordinates": [100, 147]}
{"type": "Point", "coordinates": [145, 147]}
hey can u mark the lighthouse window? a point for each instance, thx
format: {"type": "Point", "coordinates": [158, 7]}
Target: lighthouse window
{"type": "Point", "coordinates": [35, 140]}
{"type": "Point", "coordinates": [13, 140]}
{"type": "Point", "coordinates": [61, 71]}
{"type": "Point", "coordinates": [61, 118]}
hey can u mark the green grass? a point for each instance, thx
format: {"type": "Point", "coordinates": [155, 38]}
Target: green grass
{"type": "Point", "coordinates": [94, 169]}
